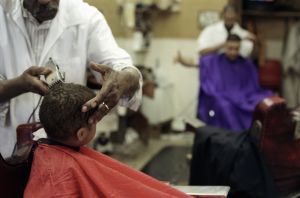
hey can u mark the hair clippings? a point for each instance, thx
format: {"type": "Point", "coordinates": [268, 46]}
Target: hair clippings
{"type": "Point", "coordinates": [56, 76]}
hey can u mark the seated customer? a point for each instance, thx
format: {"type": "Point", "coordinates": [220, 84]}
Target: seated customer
{"type": "Point", "coordinates": [229, 88]}
{"type": "Point", "coordinates": [63, 167]}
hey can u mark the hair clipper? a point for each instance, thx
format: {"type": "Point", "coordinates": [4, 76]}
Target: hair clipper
{"type": "Point", "coordinates": [56, 76]}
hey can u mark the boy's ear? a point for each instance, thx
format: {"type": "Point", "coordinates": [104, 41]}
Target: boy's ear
{"type": "Point", "coordinates": [82, 133]}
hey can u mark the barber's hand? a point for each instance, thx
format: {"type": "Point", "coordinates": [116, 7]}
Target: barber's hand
{"type": "Point", "coordinates": [30, 80]}
{"type": "Point", "coordinates": [178, 58]}
{"type": "Point", "coordinates": [112, 90]}
{"type": "Point", "coordinates": [251, 37]}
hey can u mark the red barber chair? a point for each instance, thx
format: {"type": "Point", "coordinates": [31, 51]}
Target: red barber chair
{"type": "Point", "coordinates": [270, 75]}
{"type": "Point", "coordinates": [15, 170]}
{"type": "Point", "coordinates": [277, 142]}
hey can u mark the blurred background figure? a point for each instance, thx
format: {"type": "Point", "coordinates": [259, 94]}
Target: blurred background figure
{"type": "Point", "coordinates": [230, 89]}
{"type": "Point", "coordinates": [213, 37]}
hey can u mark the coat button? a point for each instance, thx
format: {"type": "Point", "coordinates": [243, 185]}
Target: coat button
{"type": "Point", "coordinates": [211, 113]}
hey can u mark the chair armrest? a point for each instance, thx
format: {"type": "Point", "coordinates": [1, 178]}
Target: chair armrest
{"type": "Point", "coordinates": [24, 143]}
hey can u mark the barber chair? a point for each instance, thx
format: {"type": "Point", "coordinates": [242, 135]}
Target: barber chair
{"type": "Point", "coordinates": [270, 75]}
{"type": "Point", "coordinates": [15, 170]}
{"type": "Point", "coordinates": [278, 143]}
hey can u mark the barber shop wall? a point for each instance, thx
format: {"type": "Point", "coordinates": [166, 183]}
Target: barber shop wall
{"type": "Point", "coordinates": [176, 96]}
{"type": "Point", "coordinates": [273, 40]}
{"type": "Point", "coordinates": [182, 24]}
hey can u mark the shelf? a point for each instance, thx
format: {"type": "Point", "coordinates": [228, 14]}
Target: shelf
{"type": "Point", "coordinates": [271, 14]}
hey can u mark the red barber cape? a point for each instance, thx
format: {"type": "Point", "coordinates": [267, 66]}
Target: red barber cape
{"type": "Point", "coordinates": [63, 172]}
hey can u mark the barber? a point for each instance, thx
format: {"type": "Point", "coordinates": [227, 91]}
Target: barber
{"type": "Point", "coordinates": [74, 34]}
{"type": "Point", "coordinates": [213, 37]}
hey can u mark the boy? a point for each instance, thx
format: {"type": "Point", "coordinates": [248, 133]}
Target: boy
{"type": "Point", "coordinates": [63, 167]}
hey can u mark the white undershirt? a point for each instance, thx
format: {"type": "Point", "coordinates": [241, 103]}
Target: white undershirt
{"type": "Point", "coordinates": [37, 33]}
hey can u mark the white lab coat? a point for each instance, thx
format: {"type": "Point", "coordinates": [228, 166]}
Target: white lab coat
{"type": "Point", "coordinates": [78, 34]}
{"type": "Point", "coordinates": [216, 34]}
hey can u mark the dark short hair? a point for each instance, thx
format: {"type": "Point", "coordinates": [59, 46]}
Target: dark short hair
{"type": "Point", "coordinates": [60, 112]}
{"type": "Point", "coordinates": [233, 37]}
{"type": "Point", "coordinates": [230, 8]}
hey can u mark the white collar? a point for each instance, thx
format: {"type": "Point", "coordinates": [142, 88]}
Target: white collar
{"type": "Point", "coordinates": [235, 27]}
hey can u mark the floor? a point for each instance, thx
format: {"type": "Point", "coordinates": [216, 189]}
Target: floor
{"type": "Point", "coordinates": [171, 165]}
{"type": "Point", "coordinates": [170, 150]}
{"type": "Point", "coordinates": [165, 158]}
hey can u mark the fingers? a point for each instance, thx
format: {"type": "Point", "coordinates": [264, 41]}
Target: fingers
{"type": "Point", "coordinates": [178, 53]}
{"type": "Point", "coordinates": [90, 104]}
{"type": "Point", "coordinates": [39, 86]}
{"type": "Point", "coordinates": [251, 36]}
{"type": "Point", "coordinates": [103, 109]}
{"type": "Point", "coordinates": [32, 82]}
{"type": "Point", "coordinates": [46, 71]}
{"type": "Point", "coordinates": [112, 99]}
{"type": "Point", "coordinates": [103, 69]}
{"type": "Point", "coordinates": [178, 58]}
{"type": "Point", "coordinates": [96, 101]}
{"type": "Point", "coordinates": [96, 117]}
{"type": "Point", "coordinates": [107, 97]}
{"type": "Point", "coordinates": [109, 101]}
{"type": "Point", "coordinates": [37, 71]}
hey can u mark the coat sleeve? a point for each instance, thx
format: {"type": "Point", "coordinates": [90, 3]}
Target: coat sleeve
{"type": "Point", "coordinates": [246, 45]}
{"type": "Point", "coordinates": [212, 36]}
{"type": "Point", "coordinates": [206, 39]}
{"type": "Point", "coordinates": [246, 48]}
{"type": "Point", "coordinates": [103, 49]}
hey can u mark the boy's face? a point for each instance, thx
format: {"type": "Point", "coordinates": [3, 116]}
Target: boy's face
{"type": "Point", "coordinates": [232, 49]}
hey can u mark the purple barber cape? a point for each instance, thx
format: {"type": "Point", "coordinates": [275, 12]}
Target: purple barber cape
{"type": "Point", "coordinates": [229, 92]}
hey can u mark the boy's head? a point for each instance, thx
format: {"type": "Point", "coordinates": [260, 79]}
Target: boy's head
{"type": "Point", "coordinates": [232, 47]}
{"type": "Point", "coordinates": [61, 116]}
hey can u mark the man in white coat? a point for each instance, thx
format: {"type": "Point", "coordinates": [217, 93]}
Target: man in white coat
{"type": "Point", "coordinates": [213, 38]}
{"type": "Point", "coordinates": [72, 33]}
